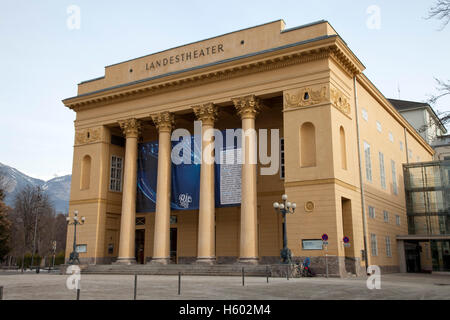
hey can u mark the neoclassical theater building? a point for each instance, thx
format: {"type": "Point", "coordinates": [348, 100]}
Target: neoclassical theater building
{"type": "Point", "coordinates": [340, 143]}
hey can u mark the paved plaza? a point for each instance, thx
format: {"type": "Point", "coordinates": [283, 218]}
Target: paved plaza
{"type": "Point", "coordinates": [43, 286]}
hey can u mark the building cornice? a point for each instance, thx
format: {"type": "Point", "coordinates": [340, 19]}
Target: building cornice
{"type": "Point", "coordinates": [316, 49]}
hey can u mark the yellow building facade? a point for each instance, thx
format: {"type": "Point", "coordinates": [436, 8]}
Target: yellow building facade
{"type": "Point", "coordinates": [343, 146]}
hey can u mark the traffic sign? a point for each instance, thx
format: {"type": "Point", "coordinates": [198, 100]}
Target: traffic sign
{"type": "Point", "coordinates": [324, 237]}
{"type": "Point", "coordinates": [325, 243]}
{"type": "Point", "coordinates": [346, 239]}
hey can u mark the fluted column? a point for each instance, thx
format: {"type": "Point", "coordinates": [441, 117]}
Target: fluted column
{"type": "Point", "coordinates": [206, 251]}
{"type": "Point", "coordinates": [161, 251]}
{"type": "Point", "coordinates": [131, 129]}
{"type": "Point", "coordinates": [247, 108]}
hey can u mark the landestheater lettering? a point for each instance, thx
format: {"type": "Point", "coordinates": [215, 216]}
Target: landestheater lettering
{"type": "Point", "coordinates": [185, 56]}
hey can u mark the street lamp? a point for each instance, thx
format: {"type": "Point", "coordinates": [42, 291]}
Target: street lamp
{"type": "Point", "coordinates": [285, 208]}
{"type": "Point", "coordinates": [76, 221]}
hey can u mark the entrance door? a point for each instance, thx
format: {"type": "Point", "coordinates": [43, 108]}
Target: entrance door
{"type": "Point", "coordinates": [412, 252]}
{"type": "Point", "coordinates": [139, 246]}
{"type": "Point", "coordinates": [173, 245]}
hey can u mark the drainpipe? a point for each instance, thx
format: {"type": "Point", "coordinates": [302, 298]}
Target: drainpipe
{"type": "Point", "coordinates": [363, 204]}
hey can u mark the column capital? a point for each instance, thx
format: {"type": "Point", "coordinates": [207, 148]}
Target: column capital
{"type": "Point", "coordinates": [131, 127]}
{"type": "Point", "coordinates": [206, 113]}
{"type": "Point", "coordinates": [247, 106]}
{"type": "Point", "coordinates": [164, 121]}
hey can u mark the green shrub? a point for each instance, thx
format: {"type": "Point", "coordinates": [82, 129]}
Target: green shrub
{"type": "Point", "coordinates": [27, 261]}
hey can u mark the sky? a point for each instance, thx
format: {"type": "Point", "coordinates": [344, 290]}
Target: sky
{"type": "Point", "coordinates": [44, 55]}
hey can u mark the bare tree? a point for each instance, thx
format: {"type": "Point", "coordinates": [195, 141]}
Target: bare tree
{"type": "Point", "coordinates": [440, 11]}
{"type": "Point", "coordinates": [5, 225]}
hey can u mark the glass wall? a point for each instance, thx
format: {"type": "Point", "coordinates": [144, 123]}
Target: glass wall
{"type": "Point", "coordinates": [427, 187]}
{"type": "Point", "coordinates": [440, 251]}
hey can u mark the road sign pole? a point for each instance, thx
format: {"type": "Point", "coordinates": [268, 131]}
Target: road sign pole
{"type": "Point", "coordinates": [326, 260]}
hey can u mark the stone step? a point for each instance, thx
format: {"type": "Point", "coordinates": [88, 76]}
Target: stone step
{"type": "Point", "coordinates": [190, 269]}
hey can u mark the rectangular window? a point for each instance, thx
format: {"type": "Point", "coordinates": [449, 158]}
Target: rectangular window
{"type": "Point", "coordinates": [379, 126]}
{"type": "Point", "coordinates": [382, 172]}
{"type": "Point", "coordinates": [282, 168]}
{"type": "Point", "coordinates": [410, 154]}
{"type": "Point", "coordinates": [373, 244]}
{"type": "Point", "coordinates": [386, 216]}
{"type": "Point", "coordinates": [397, 220]}
{"type": "Point", "coordinates": [371, 212]}
{"type": "Point", "coordinates": [365, 115]}
{"type": "Point", "coordinates": [401, 145]}
{"type": "Point", "coordinates": [368, 161]}
{"type": "Point", "coordinates": [388, 247]}
{"type": "Point", "coordinates": [394, 177]}
{"type": "Point", "coordinates": [115, 181]}
{"type": "Point", "coordinates": [391, 137]}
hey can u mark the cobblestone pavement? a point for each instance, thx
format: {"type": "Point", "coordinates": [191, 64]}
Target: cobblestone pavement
{"type": "Point", "coordinates": [44, 286]}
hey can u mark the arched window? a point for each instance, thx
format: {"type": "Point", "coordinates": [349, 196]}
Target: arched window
{"type": "Point", "coordinates": [307, 145]}
{"type": "Point", "coordinates": [85, 173]}
{"type": "Point", "coordinates": [343, 148]}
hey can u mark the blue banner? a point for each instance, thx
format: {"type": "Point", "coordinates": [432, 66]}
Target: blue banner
{"type": "Point", "coordinates": [185, 186]}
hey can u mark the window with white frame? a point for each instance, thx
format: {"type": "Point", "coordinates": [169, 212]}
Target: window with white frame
{"type": "Point", "coordinates": [379, 126]}
{"type": "Point", "coordinates": [371, 212]}
{"type": "Point", "coordinates": [388, 246]}
{"type": "Point", "coordinates": [391, 137]}
{"type": "Point", "coordinates": [386, 216]}
{"type": "Point", "coordinates": [115, 182]}
{"type": "Point", "coordinates": [410, 156]}
{"type": "Point", "coordinates": [397, 220]}
{"type": "Point", "coordinates": [373, 244]}
{"type": "Point", "coordinates": [394, 177]}
{"type": "Point", "coordinates": [282, 167]}
{"type": "Point", "coordinates": [365, 114]}
{"type": "Point", "coordinates": [401, 145]}
{"type": "Point", "coordinates": [368, 161]}
{"type": "Point", "coordinates": [382, 172]}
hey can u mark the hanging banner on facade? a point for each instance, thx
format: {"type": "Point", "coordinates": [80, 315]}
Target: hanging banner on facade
{"type": "Point", "coordinates": [185, 184]}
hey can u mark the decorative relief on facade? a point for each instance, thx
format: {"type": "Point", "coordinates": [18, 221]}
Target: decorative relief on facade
{"type": "Point", "coordinates": [315, 95]}
{"type": "Point", "coordinates": [306, 97]}
{"type": "Point", "coordinates": [340, 101]}
{"type": "Point", "coordinates": [164, 121]}
{"type": "Point", "coordinates": [90, 135]}
{"type": "Point", "coordinates": [207, 113]}
{"type": "Point", "coordinates": [247, 107]}
{"type": "Point", "coordinates": [131, 127]}
{"type": "Point", "coordinates": [309, 206]}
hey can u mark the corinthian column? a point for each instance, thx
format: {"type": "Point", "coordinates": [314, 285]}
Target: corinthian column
{"type": "Point", "coordinates": [206, 251]}
{"type": "Point", "coordinates": [161, 251]}
{"type": "Point", "coordinates": [131, 129]}
{"type": "Point", "coordinates": [247, 108]}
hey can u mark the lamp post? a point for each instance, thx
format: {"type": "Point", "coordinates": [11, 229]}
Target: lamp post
{"type": "Point", "coordinates": [76, 221]}
{"type": "Point", "coordinates": [285, 208]}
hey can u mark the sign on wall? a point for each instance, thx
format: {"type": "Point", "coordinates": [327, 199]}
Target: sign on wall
{"type": "Point", "coordinates": [312, 244]}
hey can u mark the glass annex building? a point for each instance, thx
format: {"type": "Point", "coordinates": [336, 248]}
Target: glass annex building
{"type": "Point", "coordinates": [427, 187]}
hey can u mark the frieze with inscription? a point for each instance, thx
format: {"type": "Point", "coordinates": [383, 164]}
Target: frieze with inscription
{"type": "Point", "coordinates": [184, 57]}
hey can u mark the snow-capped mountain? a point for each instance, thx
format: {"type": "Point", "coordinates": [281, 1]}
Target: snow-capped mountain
{"type": "Point", "coordinates": [58, 189]}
